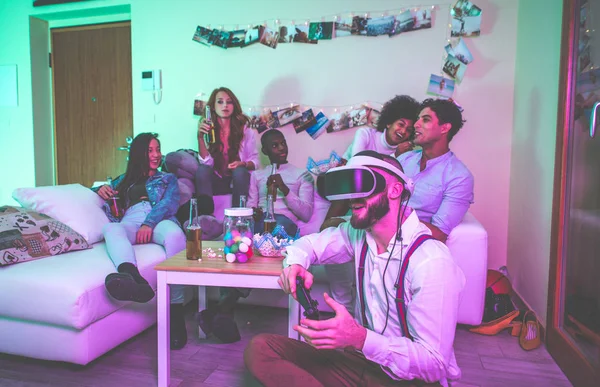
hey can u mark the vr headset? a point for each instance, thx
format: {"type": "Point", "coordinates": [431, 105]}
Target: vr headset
{"type": "Point", "coordinates": [356, 180]}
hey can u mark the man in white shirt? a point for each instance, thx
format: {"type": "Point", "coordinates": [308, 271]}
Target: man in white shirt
{"type": "Point", "coordinates": [294, 187]}
{"type": "Point", "coordinates": [390, 343]}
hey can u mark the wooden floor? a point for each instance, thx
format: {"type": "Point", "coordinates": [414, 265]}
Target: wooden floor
{"type": "Point", "coordinates": [486, 361]}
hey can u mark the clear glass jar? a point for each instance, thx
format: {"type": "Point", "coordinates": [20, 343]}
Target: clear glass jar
{"type": "Point", "coordinates": [238, 230]}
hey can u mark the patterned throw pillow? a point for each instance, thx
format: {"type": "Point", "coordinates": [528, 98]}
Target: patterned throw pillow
{"type": "Point", "coordinates": [26, 235]}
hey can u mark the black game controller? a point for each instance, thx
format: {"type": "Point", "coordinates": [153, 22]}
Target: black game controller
{"type": "Point", "coordinates": [303, 295]}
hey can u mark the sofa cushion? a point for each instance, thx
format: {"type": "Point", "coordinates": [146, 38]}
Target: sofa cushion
{"type": "Point", "coordinates": [27, 235]}
{"type": "Point", "coordinates": [73, 204]}
{"type": "Point", "coordinates": [68, 289]}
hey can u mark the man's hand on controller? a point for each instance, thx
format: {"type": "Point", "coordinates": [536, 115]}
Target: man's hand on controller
{"type": "Point", "coordinates": [339, 332]}
{"type": "Point", "coordinates": [287, 279]}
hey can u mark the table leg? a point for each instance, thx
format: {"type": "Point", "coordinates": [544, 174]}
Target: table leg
{"type": "Point", "coordinates": [202, 301]}
{"type": "Point", "coordinates": [294, 317]}
{"type": "Point", "coordinates": [163, 296]}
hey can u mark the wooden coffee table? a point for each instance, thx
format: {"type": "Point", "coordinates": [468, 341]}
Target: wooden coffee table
{"type": "Point", "coordinates": [258, 273]}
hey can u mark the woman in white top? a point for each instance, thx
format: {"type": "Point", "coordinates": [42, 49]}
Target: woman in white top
{"type": "Point", "coordinates": [224, 166]}
{"type": "Point", "coordinates": [394, 129]}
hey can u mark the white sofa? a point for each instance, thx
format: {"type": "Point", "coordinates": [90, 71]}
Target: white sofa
{"type": "Point", "coordinates": [57, 308]}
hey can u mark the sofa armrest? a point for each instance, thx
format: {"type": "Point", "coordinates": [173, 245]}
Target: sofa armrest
{"type": "Point", "coordinates": [468, 245]}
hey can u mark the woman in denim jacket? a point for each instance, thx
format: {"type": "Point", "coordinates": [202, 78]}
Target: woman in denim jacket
{"type": "Point", "coordinates": [150, 200]}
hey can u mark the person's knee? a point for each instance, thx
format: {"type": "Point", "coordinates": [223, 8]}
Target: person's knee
{"type": "Point", "coordinates": [258, 347]}
{"type": "Point", "coordinates": [204, 172]}
{"type": "Point", "coordinates": [240, 173]}
{"type": "Point", "coordinates": [111, 228]}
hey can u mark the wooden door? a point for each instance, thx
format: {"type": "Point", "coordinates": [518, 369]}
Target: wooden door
{"type": "Point", "coordinates": [573, 326]}
{"type": "Point", "coordinates": [92, 101]}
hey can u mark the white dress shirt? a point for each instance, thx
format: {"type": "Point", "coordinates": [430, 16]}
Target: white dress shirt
{"type": "Point", "coordinates": [367, 138]}
{"type": "Point", "coordinates": [298, 204]}
{"type": "Point", "coordinates": [433, 284]}
{"type": "Point", "coordinates": [248, 149]}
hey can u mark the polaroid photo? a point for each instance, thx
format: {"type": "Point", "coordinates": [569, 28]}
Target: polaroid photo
{"type": "Point", "coordinates": [222, 39]}
{"type": "Point", "coordinates": [339, 121]}
{"type": "Point", "coordinates": [380, 26]}
{"type": "Point", "coordinates": [467, 26]}
{"type": "Point", "coordinates": [199, 106]}
{"type": "Point", "coordinates": [460, 51]}
{"type": "Point", "coordinates": [359, 25]}
{"type": "Point", "coordinates": [343, 28]}
{"type": "Point", "coordinates": [305, 121]}
{"type": "Point", "coordinates": [202, 35]}
{"type": "Point", "coordinates": [301, 34]}
{"type": "Point", "coordinates": [440, 86]}
{"type": "Point", "coordinates": [269, 37]}
{"type": "Point", "coordinates": [358, 117]}
{"type": "Point", "coordinates": [404, 22]}
{"type": "Point", "coordinates": [454, 68]}
{"type": "Point", "coordinates": [464, 8]}
{"type": "Point", "coordinates": [262, 122]}
{"type": "Point", "coordinates": [422, 18]}
{"type": "Point", "coordinates": [372, 117]}
{"type": "Point", "coordinates": [286, 34]}
{"type": "Point", "coordinates": [252, 36]}
{"type": "Point", "coordinates": [321, 126]}
{"type": "Point", "coordinates": [286, 115]}
{"type": "Point", "coordinates": [320, 31]}
{"type": "Point", "coordinates": [237, 38]}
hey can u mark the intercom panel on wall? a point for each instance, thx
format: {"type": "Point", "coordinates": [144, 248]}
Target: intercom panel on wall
{"type": "Point", "coordinates": [152, 80]}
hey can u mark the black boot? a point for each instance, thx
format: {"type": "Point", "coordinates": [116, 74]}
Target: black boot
{"type": "Point", "coordinates": [128, 284]}
{"type": "Point", "coordinates": [223, 325]}
{"type": "Point", "coordinates": [178, 330]}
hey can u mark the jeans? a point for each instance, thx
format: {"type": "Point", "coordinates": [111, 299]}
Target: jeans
{"type": "Point", "coordinates": [184, 164]}
{"type": "Point", "coordinates": [120, 238]}
{"type": "Point", "coordinates": [208, 183]}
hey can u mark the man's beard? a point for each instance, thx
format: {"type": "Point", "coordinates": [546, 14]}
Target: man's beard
{"type": "Point", "coordinates": [375, 211]}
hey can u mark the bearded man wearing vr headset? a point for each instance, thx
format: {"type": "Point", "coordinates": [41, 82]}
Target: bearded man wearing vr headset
{"type": "Point", "coordinates": [409, 290]}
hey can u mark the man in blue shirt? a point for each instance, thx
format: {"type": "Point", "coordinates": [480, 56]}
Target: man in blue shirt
{"type": "Point", "coordinates": [443, 184]}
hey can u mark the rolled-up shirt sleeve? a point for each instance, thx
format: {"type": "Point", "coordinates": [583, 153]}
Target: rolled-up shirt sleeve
{"type": "Point", "coordinates": [208, 160]}
{"type": "Point", "coordinates": [318, 249]}
{"type": "Point", "coordinates": [249, 147]}
{"type": "Point", "coordinates": [436, 285]}
{"type": "Point", "coordinates": [456, 200]}
{"type": "Point", "coordinates": [302, 203]}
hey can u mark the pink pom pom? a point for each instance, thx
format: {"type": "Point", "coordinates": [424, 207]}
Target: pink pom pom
{"type": "Point", "coordinates": [241, 257]}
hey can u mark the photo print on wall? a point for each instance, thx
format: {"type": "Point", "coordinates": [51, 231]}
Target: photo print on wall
{"type": "Point", "coordinates": [320, 31]}
{"type": "Point", "coordinates": [440, 86]}
{"type": "Point", "coordinates": [269, 37]}
{"type": "Point", "coordinates": [321, 126]}
{"type": "Point", "coordinates": [466, 19]}
{"type": "Point", "coordinates": [380, 26]}
{"type": "Point", "coordinates": [454, 68]}
{"type": "Point", "coordinates": [460, 50]}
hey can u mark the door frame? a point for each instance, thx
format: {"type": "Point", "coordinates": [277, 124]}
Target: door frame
{"type": "Point", "coordinates": [573, 363]}
{"type": "Point", "coordinates": [84, 14]}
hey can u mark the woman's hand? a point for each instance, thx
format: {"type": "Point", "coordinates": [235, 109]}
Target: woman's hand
{"type": "Point", "coordinates": [106, 192]}
{"type": "Point", "coordinates": [236, 164]}
{"type": "Point", "coordinates": [203, 129]}
{"type": "Point", "coordinates": [144, 235]}
{"type": "Point", "coordinates": [404, 147]}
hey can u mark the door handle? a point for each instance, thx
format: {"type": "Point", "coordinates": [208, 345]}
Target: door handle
{"type": "Point", "coordinates": [593, 120]}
